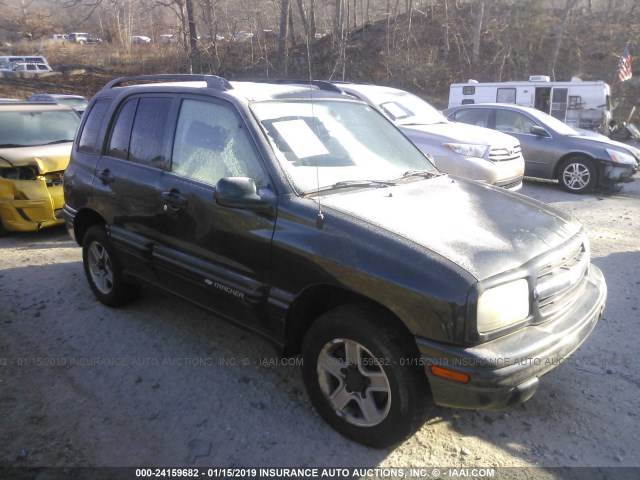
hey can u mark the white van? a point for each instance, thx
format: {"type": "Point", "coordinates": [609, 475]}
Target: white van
{"type": "Point", "coordinates": [583, 104]}
{"type": "Point", "coordinates": [28, 63]}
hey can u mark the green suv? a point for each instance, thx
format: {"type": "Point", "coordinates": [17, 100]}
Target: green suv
{"type": "Point", "coordinates": [308, 218]}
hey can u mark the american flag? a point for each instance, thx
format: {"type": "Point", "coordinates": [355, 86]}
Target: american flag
{"type": "Point", "coordinates": [624, 66]}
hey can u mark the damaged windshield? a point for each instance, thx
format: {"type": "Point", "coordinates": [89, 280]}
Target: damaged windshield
{"type": "Point", "coordinates": [325, 144]}
{"type": "Point", "coordinates": [29, 128]}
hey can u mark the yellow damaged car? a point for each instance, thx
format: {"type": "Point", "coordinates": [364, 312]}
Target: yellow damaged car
{"type": "Point", "coordinates": [35, 144]}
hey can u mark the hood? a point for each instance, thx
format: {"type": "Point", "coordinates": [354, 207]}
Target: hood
{"type": "Point", "coordinates": [485, 230]}
{"type": "Point", "coordinates": [460, 133]}
{"type": "Point", "coordinates": [605, 142]}
{"type": "Point", "coordinates": [48, 158]}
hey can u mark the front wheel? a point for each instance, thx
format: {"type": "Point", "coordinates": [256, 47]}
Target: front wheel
{"type": "Point", "coordinates": [577, 175]}
{"type": "Point", "coordinates": [103, 270]}
{"type": "Point", "coordinates": [361, 373]}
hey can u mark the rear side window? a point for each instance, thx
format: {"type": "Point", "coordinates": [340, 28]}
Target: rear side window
{"type": "Point", "coordinates": [121, 133]}
{"type": "Point", "coordinates": [150, 136]}
{"type": "Point", "coordinates": [473, 116]}
{"type": "Point", "coordinates": [513, 122]}
{"type": "Point", "coordinates": [88, 141]}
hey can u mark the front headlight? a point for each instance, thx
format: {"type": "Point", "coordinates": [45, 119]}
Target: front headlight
{"type": "Point", "coordinates": [468, 150]}
{"type": "Point", "coordinates": [621, 157]}
{"type": "Point", "coordinates": [503, 305]}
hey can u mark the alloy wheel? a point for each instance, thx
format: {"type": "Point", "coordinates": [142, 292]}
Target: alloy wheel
{"type": "Point", "coordinates": [100, 267]}
{"type": "Point", "coordinates": [354, 383]}
{"type": "Point", "coordinates": [576, 176]}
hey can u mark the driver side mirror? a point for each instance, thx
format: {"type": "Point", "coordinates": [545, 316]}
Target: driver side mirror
{"type": "Point", "coordinates": [539, 131]}
{"type": "Point", "coordinates": [239, 192]}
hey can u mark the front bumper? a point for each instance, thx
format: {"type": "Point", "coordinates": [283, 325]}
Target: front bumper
{"type": "Point", "coordinates": [42, 209]}
{"type": "Point", "coordinates": [506, 370]}
{"type": "Point", "coordinates": [613, 173]}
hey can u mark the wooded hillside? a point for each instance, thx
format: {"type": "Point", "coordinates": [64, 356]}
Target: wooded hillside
{"type": "Point", "coordinates": [418, 45]}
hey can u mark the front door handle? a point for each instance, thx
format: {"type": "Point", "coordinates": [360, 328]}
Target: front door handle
{"type": "Point", "coordinates": [173, 200]}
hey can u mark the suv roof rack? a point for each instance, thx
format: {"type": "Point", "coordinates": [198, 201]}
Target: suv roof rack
{"type": "Point", "coordinates": [321, 84]}
{"type": "Point", "coordinates": [213, 81]}
{"type": "Point", "coordinates": [10, 101]}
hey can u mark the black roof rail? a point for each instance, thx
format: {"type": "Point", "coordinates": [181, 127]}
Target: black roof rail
{"type": "Point", "coordinates": [213, 81]}
{"type": "Point", "coordinates": [321, 84]}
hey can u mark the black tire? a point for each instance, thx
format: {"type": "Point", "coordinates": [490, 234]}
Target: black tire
{"type": "Point", "coordinates": [577, 175]}
{"type": "Point", "coordinates": [103, 270]}
{"type": "Point", "coordinates": [3, 231]}
{"type": "Point", "coordinates": [381, 396]}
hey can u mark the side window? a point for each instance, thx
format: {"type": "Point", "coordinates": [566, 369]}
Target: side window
{"type": "Point", "coordinates": [211, 144]}
{"type": "Point", "coordinates": [121, 132]}
{"type": "Point", "coordinates": [469, 90]}
{"type": "Point", "coordinates": [506, 95]}
{"type": "Point", "coordinates": [513, 122]}
{"type": "Point", "coordinates": [88, 140]}
{"type": "Point", "coordinates": [150, 136]}
{"type": "Point", "coordinates": [575, 102]}
{"type": "Point", "coordinates": [473, 116]}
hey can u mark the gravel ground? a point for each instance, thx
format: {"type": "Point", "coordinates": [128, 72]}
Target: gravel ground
{"type": "Point", "coordinates": [163, 383]}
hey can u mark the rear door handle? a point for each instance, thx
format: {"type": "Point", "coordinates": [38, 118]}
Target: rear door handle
{"type": "Point", "coordinates": [105, 176]}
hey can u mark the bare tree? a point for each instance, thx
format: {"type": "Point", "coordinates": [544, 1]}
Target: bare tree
{"type": "Point", "coordinates": [560, 33]}
{"type": "Point", "coordinates": [308, 19]}
{"type": "Point", "coordinates": [445, 29]}
{"type": "Point", "coordinates": [338, 20]}
{"type": "Point", "coordinates": [29, 20]}
{"type": "Point", "coordinates": [210, 19]}
{"type": "Point", "coordinates": [194, 52]}
{"type": "Point", "coordinates": [283, 53]}
{"type": "Point", "coordinates": [475, 55]}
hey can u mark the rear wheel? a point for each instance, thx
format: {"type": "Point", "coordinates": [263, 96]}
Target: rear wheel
{"type": "Point", "coordinates": [361, 373]}
{"type": "Point", "coordinates": [577, 175]}
{"type": "Point", "coordinates": [103, 269]}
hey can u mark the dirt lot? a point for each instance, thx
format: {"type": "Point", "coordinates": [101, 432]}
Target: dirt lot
{"type": "Point", "coordinates": [162, 383]}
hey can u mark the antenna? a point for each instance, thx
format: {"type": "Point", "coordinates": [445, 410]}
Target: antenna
{"type": "Point", "coordinates": [320, 215]}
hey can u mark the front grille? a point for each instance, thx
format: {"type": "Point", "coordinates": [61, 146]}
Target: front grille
{"type": "Point", "coordinates": [504, 154]}
{"type": "Point", "coordinates": [561, 281]}
{"type": "Point", "coordinates": [53, 179]}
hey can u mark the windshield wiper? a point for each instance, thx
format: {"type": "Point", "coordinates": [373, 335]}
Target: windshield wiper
{"type": "Point", "coordinates": [12, 145]}
{"type": "Point", "coordinates": [351, 184]}
{"type": "Point", "coordinates": [422, 122]}
{"type": "Point", "coordinates": [421, 173]}
{"type": "Point", "coordinates": [58, 141]}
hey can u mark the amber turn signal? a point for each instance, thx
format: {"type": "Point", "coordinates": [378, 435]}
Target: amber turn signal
{"type": "Point", "coordinates": [450, 374]}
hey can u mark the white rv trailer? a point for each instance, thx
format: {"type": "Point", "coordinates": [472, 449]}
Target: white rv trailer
{"type": "Point", "coordinates": [584, 104]}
